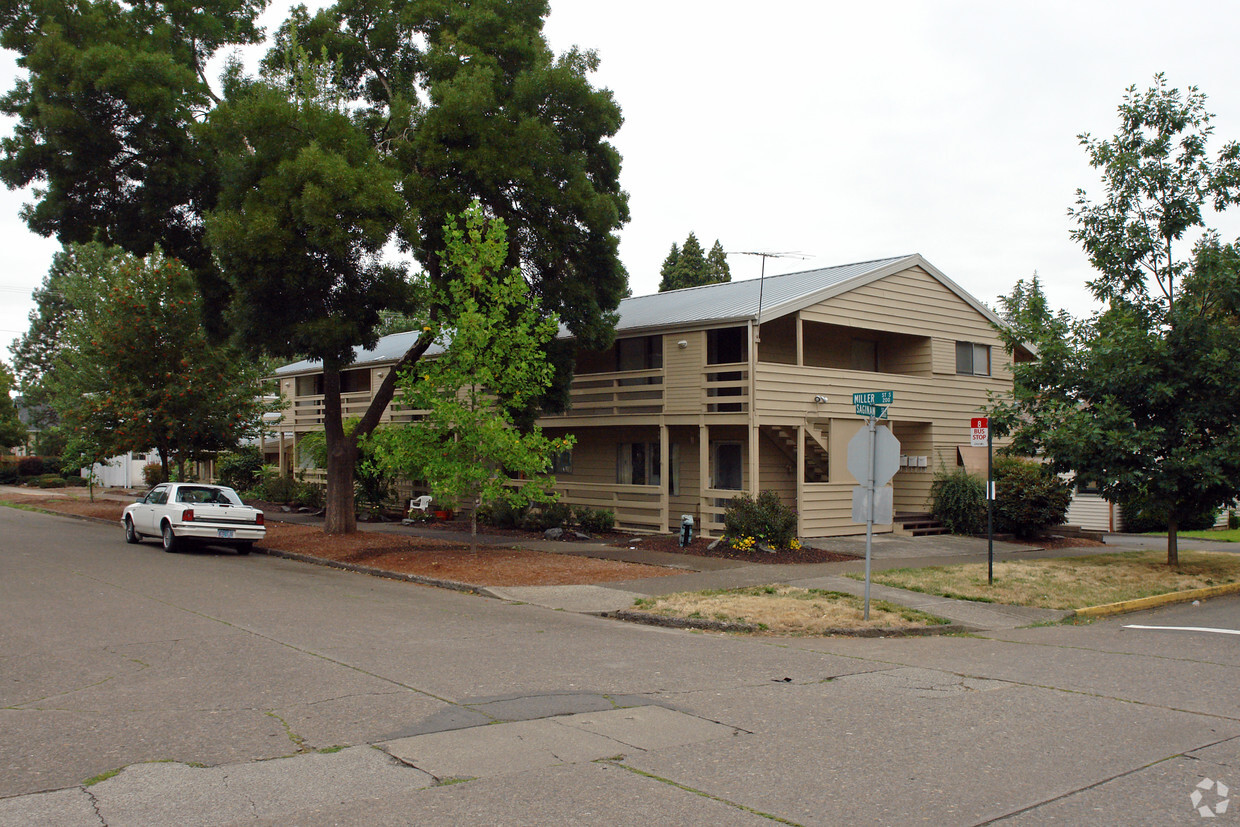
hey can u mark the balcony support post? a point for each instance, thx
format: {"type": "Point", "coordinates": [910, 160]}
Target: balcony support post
{"type": "Point", "coordinates": [665, 477]}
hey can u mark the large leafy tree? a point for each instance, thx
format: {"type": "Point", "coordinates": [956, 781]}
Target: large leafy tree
{"type": "Point", "coordinates": [442, 102]}
{"type": "Point", "coordinates": [467, 445]}
{"type": "Point", "coordinates": [1143, 397]}
{"type": "Point", "coordinates": [105, 116]}
{"type": "Point", "coordinates": [133, 369]}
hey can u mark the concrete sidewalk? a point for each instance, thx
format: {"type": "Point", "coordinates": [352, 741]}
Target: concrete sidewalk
{"type": "Point", "coordinates": [721, 573]}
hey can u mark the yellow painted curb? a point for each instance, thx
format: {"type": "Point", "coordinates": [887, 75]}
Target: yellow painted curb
{"type": "Point", "coordinates": [1157, 600]}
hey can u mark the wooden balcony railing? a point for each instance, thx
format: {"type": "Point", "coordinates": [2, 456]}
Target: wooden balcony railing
{"type": "Point", "coordinates": [635, 506]}
{"type": "Point", "coordinates": [622, 392]}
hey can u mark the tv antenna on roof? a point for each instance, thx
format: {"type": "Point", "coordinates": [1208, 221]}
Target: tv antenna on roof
{"type": "Point", "coordinates": [762, 279]}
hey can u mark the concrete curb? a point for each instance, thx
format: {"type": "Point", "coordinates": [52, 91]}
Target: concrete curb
{"type": "Point", "coordinates": [454, 585]}
{"type": "Point", "coordinates": [749, 628]}
{"type": "Point", "coordinates": [1157, 600]}
{"type": "Point", "coordinates": [23, 507]}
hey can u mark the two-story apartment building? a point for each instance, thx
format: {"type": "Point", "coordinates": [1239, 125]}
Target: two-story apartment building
{"type": "Point", "coordinates": [746, 386]}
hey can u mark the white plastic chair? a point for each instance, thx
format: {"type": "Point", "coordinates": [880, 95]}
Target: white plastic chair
{"type": "Point", "coordinates": [419, 504]}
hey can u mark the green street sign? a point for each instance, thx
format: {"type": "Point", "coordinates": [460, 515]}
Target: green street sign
{"type": "Point", "coordinates": [874, 398]}
{"type": "Point", "coordinates": [876, 411]}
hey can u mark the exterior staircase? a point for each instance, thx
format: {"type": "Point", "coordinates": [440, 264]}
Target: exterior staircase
{"type": "Point", "coordinates": [817, 462]}
{"type": "Point", "coordinates": [918, 525]}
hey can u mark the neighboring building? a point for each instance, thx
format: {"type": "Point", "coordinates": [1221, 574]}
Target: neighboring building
{"type": "Point", "coordinates": [714, 390]}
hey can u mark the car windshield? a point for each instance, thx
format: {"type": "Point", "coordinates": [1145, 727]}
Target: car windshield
{"type": "Point", "coordinates": [207, 495]}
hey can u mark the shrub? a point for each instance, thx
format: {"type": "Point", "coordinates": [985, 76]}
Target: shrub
{"type": "Point", "coordinates": [594, 521]}
{"type": "Point", "coordinates": [959, 501]}
{"type": "Point", "coordinates": [49, 481]}
{"type": "Point", "coordinates": [52, 465]}
{"type": "Point", "coordinates": [153, 474]}
{"type": "Point", "coordinates": [8, 475]}
{"type": "Point", "coordinates": [766, 520]}
{"type": "Point", "coordinates": [548, 515]}
{"type": "Point", "coordinates": [1233, 520]}
{"type": "Point", "coordinates": [30, 466]}
{"type": "Point", "coordinates": [308, 495]}
{"type": "Point", "coordinates": [1028, 498]}
{"type": "Point", "coordinates": [240, 469]}
{"type": "Point", "coordinates": [77, 482]}
{"type": "Point", "coordinates": [501, 514]}
{"type": "Point", "coordinates": [1142, 517]}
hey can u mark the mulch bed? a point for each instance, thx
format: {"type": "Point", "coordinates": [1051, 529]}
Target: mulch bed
{"type": "Point", "coordinates": [699, 547]}
{"type": "Point", "coordinates": [449, 560]}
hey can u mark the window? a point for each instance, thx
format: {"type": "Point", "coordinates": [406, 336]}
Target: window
{"type": "Point", "coordinates": [355, 381]}
{"type": "Point", "coordinates": [641, 353]}
{"type": "Point", "coordinates": [310, 385]}
{"type": "Point", "coordinates": [562, 462]}
{"type": "Point", "coordinates": [637, 463]}
{"type": "Point", "coordinates": [729, 473]}
{"type": "Point", "coordinates": [726, 346]}
{"type": "Point", "coordinates": [972, 359]}
{"type": "Point", "coordinates": [1086, 485]}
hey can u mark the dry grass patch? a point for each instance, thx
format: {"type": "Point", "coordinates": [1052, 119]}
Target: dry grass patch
{"type": "Point", "coordinates": [1071, 582]}
{"type": "Point", "coordinates": [786, 610]}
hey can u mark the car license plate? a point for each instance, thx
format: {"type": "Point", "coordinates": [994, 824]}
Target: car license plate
{"type": "Point", "coordinates": [227, 533]}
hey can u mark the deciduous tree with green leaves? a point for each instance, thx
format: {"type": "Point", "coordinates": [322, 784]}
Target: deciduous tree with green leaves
{"type": "Point", "coordinates": [467, 446]}
{"type": "Point", "coordinates": [1142, 397]}
{"type": "Point", "coordinates": [135, 371]}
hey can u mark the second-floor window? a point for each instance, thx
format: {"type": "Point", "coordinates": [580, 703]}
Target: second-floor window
{"type": "Point", "coordinates": [640, 353]}
{"type": "Point", "coordinates": [355, 381]}
{"type": "Point", "coordinates": [972, 359]}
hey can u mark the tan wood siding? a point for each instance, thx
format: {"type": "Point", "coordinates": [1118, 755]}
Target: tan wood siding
{"type": "Point", "coordinates": [1089, 511]}
{"type": "Point", "coordinates": [776, 471]}
{"type": "Point", "coordinates": [779, 340]}
{"type": "Point", "coordinates": [682, 371]}
{"type": "Point", "coordinates": [914, 302]}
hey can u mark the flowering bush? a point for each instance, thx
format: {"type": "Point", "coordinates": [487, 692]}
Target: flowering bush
{"type": "Point", "coordinates": [764, 521]}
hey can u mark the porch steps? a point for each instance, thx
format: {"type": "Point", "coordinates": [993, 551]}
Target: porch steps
{"type": "Point", "coordinates": [817, 465]}
{"type": "Point", "coordinates": [918, 525]}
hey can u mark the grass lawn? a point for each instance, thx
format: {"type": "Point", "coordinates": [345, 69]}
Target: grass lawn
{"type": "Point", "coordinates": [786, 610]}
{"type": "Point", "coordinates": [1226, 535]}
{"type": "Point", "coordinates": [1071, 582]}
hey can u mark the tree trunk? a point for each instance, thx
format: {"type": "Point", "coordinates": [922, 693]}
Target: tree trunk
{"type": "Point", "coordinates": [1173, 548]}
{"type": "Point", "coordinates": [473, 526]}
{"type": "Point", "coordinates": [341, 513]}
{"type": "Point", "coordinates": [341, 516]}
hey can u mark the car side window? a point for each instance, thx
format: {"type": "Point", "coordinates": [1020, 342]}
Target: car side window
{"type": "Point", "coordinates": [158, 496]}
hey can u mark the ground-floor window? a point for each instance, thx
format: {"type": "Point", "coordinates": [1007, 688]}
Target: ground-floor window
{"type": "Point", "coordinates": [728, 466]}
{"type": "Point", "coordinates": [637, 463]}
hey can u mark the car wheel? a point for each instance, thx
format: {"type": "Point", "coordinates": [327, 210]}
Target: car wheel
{"type": "Point", "coordinates": [170, 540]}
{"type": "Point", "coordinates": [131, 536]}
{"type": "Point", "coordinates": [244, 548]}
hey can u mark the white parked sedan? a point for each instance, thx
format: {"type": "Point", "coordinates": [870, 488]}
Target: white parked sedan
{"type": "Point", "coordinates": [192, 511]}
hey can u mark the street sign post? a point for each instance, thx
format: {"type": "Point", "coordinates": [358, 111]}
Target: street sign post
{"type": "Point", "coordinates": [979, 430]}
{"type": "Point", "coordinates": [873, 458]}
{"type": "Point", "coordinates": [979, 434]}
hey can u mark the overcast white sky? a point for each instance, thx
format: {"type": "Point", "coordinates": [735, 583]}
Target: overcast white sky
{"type": "Point", "coordinates": [853, 131]}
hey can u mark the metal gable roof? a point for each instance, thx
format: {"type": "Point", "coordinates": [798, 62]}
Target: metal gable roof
{"type": "Point", "coordinates": [737, 299]}
{"type": "Point", "coordinates": [712, 303]}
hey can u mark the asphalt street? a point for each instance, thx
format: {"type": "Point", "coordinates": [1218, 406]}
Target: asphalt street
{"type": "Point", "coordinates": [215, 689]}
